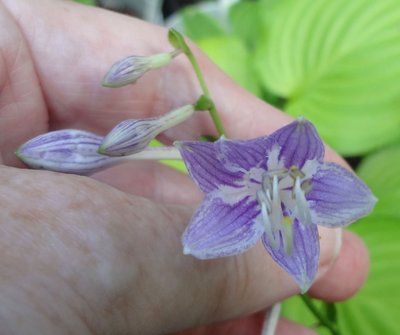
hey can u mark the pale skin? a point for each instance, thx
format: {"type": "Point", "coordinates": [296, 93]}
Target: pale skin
{"type": "Point", "coordinates": [102, 255]}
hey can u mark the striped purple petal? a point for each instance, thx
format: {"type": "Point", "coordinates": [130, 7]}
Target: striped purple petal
{"type": "Point", "coordinates": [299, 142]}
{"type": "Point", "coordinates": [338, 197]}
{"type": "Point", "coordinates": [244, 154]}
{"type": "Point", "coordinates": [202, 160]}
{"type": "Point", "coordinates": [302, 263]}
{"type": "Point", "coordinates": [219, 229]}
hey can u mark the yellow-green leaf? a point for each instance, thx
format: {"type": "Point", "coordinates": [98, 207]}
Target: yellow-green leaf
{"type": "Point", "coordinates": [336, 63]}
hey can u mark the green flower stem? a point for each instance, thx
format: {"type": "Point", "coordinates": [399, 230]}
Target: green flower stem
{"type": "Point", "coordinates": [177, 40]}
{"type": "Point", "coordinates": [321, 318]}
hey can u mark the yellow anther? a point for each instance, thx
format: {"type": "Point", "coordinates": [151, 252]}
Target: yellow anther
{"type": "Point", "coordinates": [295, 172]}
{"type": "Point", "coordinates": [287, 220]}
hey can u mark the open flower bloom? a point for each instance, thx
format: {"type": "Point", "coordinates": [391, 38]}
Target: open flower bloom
{"type": "Point", "coordinates": [277, 188]}
{"type": "Point", "coordinates": [68, 151]}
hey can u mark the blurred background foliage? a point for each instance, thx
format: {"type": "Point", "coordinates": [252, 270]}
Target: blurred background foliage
{"type": "Point", "coordinates": [338, 64]}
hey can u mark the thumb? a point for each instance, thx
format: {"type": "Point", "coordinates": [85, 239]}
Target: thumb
{"type": "Point", "coordinates": [115, 261]}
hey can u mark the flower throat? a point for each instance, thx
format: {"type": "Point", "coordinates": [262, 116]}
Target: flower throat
{"type": "Point", "coordinates": [279, 188]}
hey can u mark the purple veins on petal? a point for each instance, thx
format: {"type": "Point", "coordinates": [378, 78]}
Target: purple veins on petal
{"type": "Point", "coordinates": [219, 229]}
{"type": "Point", "coordinates": [338, 197]}
{"type": "Point", "coordinates": [302, 263]}
{"type": "Point", "coordinates": [300, 142]}
{"type": "Point", "coordinates": [276, 185]}
{"type": "Point", "coordinates": [205, 167]}
{"type": "Point", "coordinates": [243, 154]}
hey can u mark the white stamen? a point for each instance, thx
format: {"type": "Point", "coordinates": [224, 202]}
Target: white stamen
{"type": "Point", "coordinates": [263, 201]}
{"type": "Point", "coordinates": [276, 204]}
{"type": "Point", "coordinates": [301, 204]}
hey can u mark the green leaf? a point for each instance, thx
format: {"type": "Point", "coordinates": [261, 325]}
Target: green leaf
{"type": "Point", "coordinates": [375, 309]}
{"type": "Point", "coordinates": [87, 2]}
{"type": "Point", "coordinates": [232, 56]}
{"type": "Point", "coordinates": [382, 174]}
{"type": "Point", "coordinates": [198, 25]}
{"type": "Point", "coordinates": [245, 21]}
{"type": "Point", "coordinates": [337, 64]}
{"type": "Point", "coordinates": [295, 310]}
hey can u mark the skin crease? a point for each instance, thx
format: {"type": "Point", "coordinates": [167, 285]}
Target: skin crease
{"type": "Point", "coordinates": [102, 255]}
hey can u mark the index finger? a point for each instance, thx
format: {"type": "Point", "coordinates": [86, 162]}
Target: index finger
{"type": "Point", "coordinates": [73, 46]}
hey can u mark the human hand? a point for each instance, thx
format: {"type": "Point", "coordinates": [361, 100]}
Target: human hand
{"type": "Point", "coordinates": [91, 255]}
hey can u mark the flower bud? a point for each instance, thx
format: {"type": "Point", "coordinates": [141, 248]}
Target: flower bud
{"type": "Point", "coordinates": [68, 151]}
{"type": "Point", "coordinates": [130, 69]}
{"type": "Point", "coordinates": [132, 136]}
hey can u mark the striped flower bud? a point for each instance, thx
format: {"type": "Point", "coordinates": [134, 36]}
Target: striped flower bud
{"type": "Point", "coordinates": [68, 151]}
{"type": "Point", "coordinates": [132, 136]}
{"type": "Point", "coordinates": [130, 69]}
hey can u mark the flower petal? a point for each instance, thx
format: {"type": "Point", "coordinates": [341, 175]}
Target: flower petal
{"type": "Point", "coordinates": [219, 229]}
{"type": "Point", "coordinates": [299, 142]}
{"type": "Point", "coordinates": [302, 263]}
{"type": "Point", "coordinates": [205, 167]}
{"type": "Point", "coordinates": [338, 197]}
{"type": "Point", "coordinates": [243, 154]}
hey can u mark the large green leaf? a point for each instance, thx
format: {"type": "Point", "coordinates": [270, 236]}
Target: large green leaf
{"type": "Point", "coordinates": [231, 54]}
{"type": "Point", "coordinates": [245, 20]}
{"type": "Point", "coordinates": [199, 25]}
{"type": "Point", "coordinates": [337, 63]}
{"type": "Point", "coordinates": [375, 309]}
{"type": "Point", "coordinates": [381, 172]}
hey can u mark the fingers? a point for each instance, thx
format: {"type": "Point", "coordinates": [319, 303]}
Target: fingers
{"type": "Point", "coordinates": [351, 268]}
{"type": "Point", "coordinates": [93, 40]}
{"type": "Point", "coordinates": [249, 325]}
{"type": "Point", "coordinates": [122, 260]}
{"type": "Point", "coordinates": [22, 110]}
{"type": "Point", "coordinates": [152, 180]}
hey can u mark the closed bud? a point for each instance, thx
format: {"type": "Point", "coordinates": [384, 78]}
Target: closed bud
{"type": "Point", "coordinates": [69, 151]}
{"type": "Point", "coordinates": [130, 69]}
{"type": "Point", "coordinates": [132, 136]}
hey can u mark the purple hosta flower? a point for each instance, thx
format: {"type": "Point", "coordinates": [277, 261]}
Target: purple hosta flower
{"type": "Point", "coordinates": [132, 136]}
{"type": "Point", "coordinates": [68, 151]}
{"type": "Point", "coordinates": [277, 188]}
{"type": "Point", "coordinates": [130, 69]}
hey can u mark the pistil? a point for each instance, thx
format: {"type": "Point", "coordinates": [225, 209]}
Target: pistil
{"type": "Point", "coordinates": [277, 224]}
